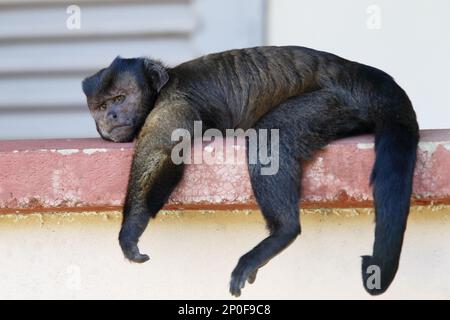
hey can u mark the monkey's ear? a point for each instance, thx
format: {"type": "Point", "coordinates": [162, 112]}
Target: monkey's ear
{"type": "Point", "coordinates": [90, 85]}
{"type": "Point", "coordinates": [157, 73]}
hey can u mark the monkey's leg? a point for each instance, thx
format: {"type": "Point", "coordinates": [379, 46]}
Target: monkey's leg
{"type": "Point", "coordinates": [277, 196]}
{"type": "Point", "coordinates": [306, 123]}
{"type": "Point", "coordinates": [154, 174]}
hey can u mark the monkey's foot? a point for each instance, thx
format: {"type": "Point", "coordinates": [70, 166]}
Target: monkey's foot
{"type": "Point", "coordinates": [243, 272]}
{"type": "Point", "coordinates": [139, 258]}
{"type": "Point", "coordinates": [131, 252]}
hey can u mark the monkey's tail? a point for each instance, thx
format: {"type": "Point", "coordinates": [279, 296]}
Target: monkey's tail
{"type": "Point", "coordinates": [392, 177]}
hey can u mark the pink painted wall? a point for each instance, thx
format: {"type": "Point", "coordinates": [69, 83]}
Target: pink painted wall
{"type": "Point", "coordinates": [92, 174]}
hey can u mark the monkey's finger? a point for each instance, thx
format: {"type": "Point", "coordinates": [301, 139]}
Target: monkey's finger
{"type": "Point", "coordinates": [235, 289]}
{"type": "Point", "coordinates": [237, 283]}
{"type": "Point", "coordinates": [252, 276]}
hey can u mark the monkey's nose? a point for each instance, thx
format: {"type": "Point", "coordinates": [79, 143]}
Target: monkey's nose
{"type": "Point", "coordinates": [111, 115]}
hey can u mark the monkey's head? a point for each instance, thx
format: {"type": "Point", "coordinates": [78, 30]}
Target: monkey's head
{"type": "Point", "coordinates": [121, 96]}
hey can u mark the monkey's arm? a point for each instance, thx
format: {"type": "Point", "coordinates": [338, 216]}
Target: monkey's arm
{"type": "Point", "coordinates": [153, 173]}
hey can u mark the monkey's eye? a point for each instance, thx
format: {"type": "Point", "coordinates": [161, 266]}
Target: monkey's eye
{"type": "Point", "coordinates": [102, 107]}
{"type": "Point", "coordinates": [119, 99]}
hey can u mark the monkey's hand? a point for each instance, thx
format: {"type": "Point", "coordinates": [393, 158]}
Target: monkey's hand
{"type": "Point", "coordinates": [246, 270]}
{"type": "Point", "coordinates": [239, 276]}
{"type": "Point", "coordinates": [135, 220]}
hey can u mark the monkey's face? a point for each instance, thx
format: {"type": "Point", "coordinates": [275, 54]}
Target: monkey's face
{"type": "Point", "coordinates": [120, 112]}
{"type": "Point", "coordinates": [120, 98]}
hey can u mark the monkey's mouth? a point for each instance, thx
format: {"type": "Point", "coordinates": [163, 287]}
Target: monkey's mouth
{"type": "Point", "coordinates": [120, 128]}
{"type": "Point", "coordinates": [122, 133]}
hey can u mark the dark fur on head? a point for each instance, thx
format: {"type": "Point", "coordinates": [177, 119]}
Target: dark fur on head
{"type": "Point", "coordinates": [121, 96]}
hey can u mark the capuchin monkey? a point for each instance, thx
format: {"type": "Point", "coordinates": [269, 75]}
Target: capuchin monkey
{"type": "Point", "coordinates": [312, 97]}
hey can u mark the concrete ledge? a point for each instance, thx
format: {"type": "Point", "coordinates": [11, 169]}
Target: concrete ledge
{"type": "Point", "coordinates": [91, 174]}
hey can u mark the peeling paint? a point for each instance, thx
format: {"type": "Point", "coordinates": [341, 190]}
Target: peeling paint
{"type": "Point", "coordinates": [446, 145]}
{"type": "Point", "coordinates": [43, 179]}
{"type": "Point", "coordinates": [66, 152]}
{"type": "Point", "coordinates": [92, 151]}
{"type": "Point", "coordinates": [117, 215]}
{"type": "Point", "coordinates": [66, 216]}
{"type": "Point", "coordinates": [363, 146]}
{"type": "Point", "coordinates": [56, 181]}
{"type": "Point", "coordinates": [116, 202]}
{"type": "Point", "coordinates": [430, 147]}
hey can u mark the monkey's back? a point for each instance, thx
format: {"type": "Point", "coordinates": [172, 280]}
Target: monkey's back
{"type": "Point", "coordinates": [244, 84]}
{"type": "Point", "coordinates": [235, 88]}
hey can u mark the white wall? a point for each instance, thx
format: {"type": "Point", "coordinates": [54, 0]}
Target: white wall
{"type": "Point", "coordinates": [410, 39]}
{"type": "Point", "coordinates": [192, 254]}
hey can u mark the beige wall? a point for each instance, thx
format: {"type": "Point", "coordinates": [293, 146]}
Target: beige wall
{"type": "Point", "coordinates": [407, 38]}
{"type": "Point", "coordinates": [193, 253]}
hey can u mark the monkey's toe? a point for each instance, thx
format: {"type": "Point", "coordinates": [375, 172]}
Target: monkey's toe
{"type": "Point", "coordinates": [131, 252]}
{"type": "Point", "coordinates": [136, 256]}
{"type": "Point", "coordinates": [140, 258]}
